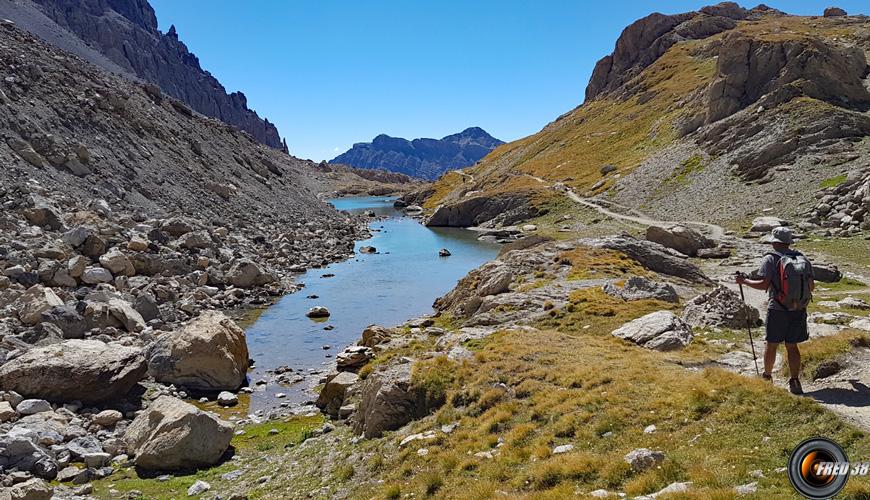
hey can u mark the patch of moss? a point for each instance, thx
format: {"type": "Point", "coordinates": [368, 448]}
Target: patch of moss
{"type": "Point", "coordinates": [257, 439]}
{"type": "Point", "coordinates": [832, 182]}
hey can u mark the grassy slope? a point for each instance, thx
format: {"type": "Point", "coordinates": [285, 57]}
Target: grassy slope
{"type": "Point", "coordinates": [527, 392]}
{"type": "Point", "coordinates": [572, 383]}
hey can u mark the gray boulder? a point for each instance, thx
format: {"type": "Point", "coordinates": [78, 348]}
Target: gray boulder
{"type": "Point", "coordinates": [174, 435]}
{"type": "Point", "coordinates": [643, 459]}
{"type": "Point", "coordinates": [353, 357]}
{"type": "Point", "coordinates": [85, 370]}
{"type": "Point", "coordinates": [117, 263]}
{"type": "Point", "coordinates": [660, 331]}
{"type": "Point", "coordinates": [35, 301]}
{"type": "Point", "coordinates": [19, 449]}
{"type": "Point", "coordinates": [245, 273]}
{"type": "Point", "coordinates": [388, 400]}
{"type": "Point", "coordinates": [210, 354]}
{"type": "Point", "coordinates": [495, 280]}
{"type": "Point", "coordinates": [32, 489]}
{"type": "Point", "coordinates": [334, 392]}
{"type": "Point", "coordinates": [766, 224]}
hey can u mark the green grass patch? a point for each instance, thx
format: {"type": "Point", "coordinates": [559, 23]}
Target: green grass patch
{"type": "Point", "coordinates": [848, 253]}
{"type": "Point", "coordinates": [256, 440]}
{"type": "Point", "coordinates": [688, 167]}
{"type": "Point", "coordinates": [832, 182]}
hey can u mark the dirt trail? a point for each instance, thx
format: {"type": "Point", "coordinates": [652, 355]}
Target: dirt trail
{"type": "Point", "coordinates": [715, 232]}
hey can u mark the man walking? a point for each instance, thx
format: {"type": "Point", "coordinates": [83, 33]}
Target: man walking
{"type": "Point", "coordinates": [788, 278]}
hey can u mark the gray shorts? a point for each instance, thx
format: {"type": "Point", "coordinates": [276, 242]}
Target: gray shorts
{"type": "Point", "coordinates": [786, 326]}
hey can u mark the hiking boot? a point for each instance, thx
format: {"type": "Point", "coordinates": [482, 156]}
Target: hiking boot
{"type": "Point", "coordinates": [767, 376]}
{"type": "Point", "coordinates": [794, 386]}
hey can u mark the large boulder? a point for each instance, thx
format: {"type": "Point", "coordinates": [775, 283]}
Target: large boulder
{"type": "Point", "coordinates": [826, 273]}
{"type": "Point", "coordinates": [388, 400]}
{"type": "Point", "coordinates": [334, 392]}
{"type": "Point", "coordinates": [44, 215]}
{"type": "Point", "coordinates": [174, 435]}
{"type": "Point", "coordinates": [209, 354]}
{"type": "Point", "coordinates": [245, 273]}
{"type": "Point", "coordinates": [680, 238]}
{"type": "Point", "coordinates": [353, 357]}
{"type": "Point", "coordinates": [32, 489]}
{"type": "Point", "coordinates": [117, 263]}
{"type": "Point", "coordinates": [129, 317]}
{"type": "Point", "coordinates": [720, 308]}
{"type": "Point", "coordinates": [492, 278]}
{"type": "Point", "coordinates": [660, 331]}
{"type": "Point", "coordinates": [495, 281]}
{"type": "Point", "coordinates": [374, 335]}
{"type": "Point", "coordinates": [67, 319]}
{"type": "Point", "coordinates": [35, 301]}
{"type": "Point", "coordinates": [85, 370]}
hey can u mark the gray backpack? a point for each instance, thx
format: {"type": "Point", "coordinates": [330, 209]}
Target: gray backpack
{"type": "Point", "coordinates": [792, 282]}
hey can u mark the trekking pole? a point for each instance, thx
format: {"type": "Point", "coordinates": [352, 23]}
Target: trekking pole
{"type": "Point", "coordinates": [749, 327]}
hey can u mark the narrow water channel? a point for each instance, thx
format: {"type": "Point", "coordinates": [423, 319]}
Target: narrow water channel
{"type": "Point", "coordinates": [396, 284]}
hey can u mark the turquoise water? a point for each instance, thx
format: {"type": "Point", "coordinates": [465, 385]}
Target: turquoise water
{"type": "Point", "coordinates": [398, 283]}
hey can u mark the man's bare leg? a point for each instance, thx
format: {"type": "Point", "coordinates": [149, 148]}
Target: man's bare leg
{"type": "Point", "coordinates": [770, 356]}
{"type": "Point", "coordinates": [794, 360]}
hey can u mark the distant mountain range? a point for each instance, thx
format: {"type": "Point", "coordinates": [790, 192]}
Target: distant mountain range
{"type": "Point", "coordinates": [422, 158]}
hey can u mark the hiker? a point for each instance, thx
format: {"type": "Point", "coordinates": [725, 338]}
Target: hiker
{"type": "Point", "coordinates": [788, 278]}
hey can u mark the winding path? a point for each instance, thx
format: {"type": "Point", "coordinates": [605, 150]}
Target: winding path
{"type": "Point", "coordinates": [715, 231]}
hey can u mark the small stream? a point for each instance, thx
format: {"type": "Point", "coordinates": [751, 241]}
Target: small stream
{"type": "Point", "coordinates": [398, 283]}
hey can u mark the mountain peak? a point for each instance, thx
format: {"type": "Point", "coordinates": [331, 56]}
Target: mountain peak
{"type": "Point", "coordinates": [423, 158]}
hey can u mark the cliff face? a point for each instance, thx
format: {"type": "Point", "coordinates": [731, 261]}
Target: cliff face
{"type": "Point", "coordinates": [125, 31]}
{"type": "Point", "coordinates": [423, 158]}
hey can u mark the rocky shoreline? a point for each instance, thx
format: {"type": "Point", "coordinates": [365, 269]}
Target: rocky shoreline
{"type": "Point", "coordinates": [104, 312]}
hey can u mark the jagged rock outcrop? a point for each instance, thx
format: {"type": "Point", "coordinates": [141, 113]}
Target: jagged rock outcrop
{"type": "Point", "coordinates": [720, 308]}
{"type": "Point", "coordinates": [750, 67]}
{"type": "Point", "coordinates": [651, 255]}
{"type": "Point", "coordinates": [389, 400]}
{"type": "Point", "coordinates": [422, 158]}
{"type": "Point", "coordinates": [126, 33]}
{"type": "Point", "coordinates": [680, 238]}
{"type": "Point", "coordinates": [507, 209]}
{"type": "Point", "coordinates": [646, 39]}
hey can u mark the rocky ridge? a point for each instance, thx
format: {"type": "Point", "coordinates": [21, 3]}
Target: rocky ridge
{"type": "Point", "coordinates": [421, 158]}
{"type": "Point", "coordinates": [124, 36]}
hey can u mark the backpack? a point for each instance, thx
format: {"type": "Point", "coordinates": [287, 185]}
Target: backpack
{"type": "Point", "coordinates": [792, 283]}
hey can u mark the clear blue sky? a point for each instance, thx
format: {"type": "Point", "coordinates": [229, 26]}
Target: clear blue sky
{"type": "Point", "coordinates": [330, 73]}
